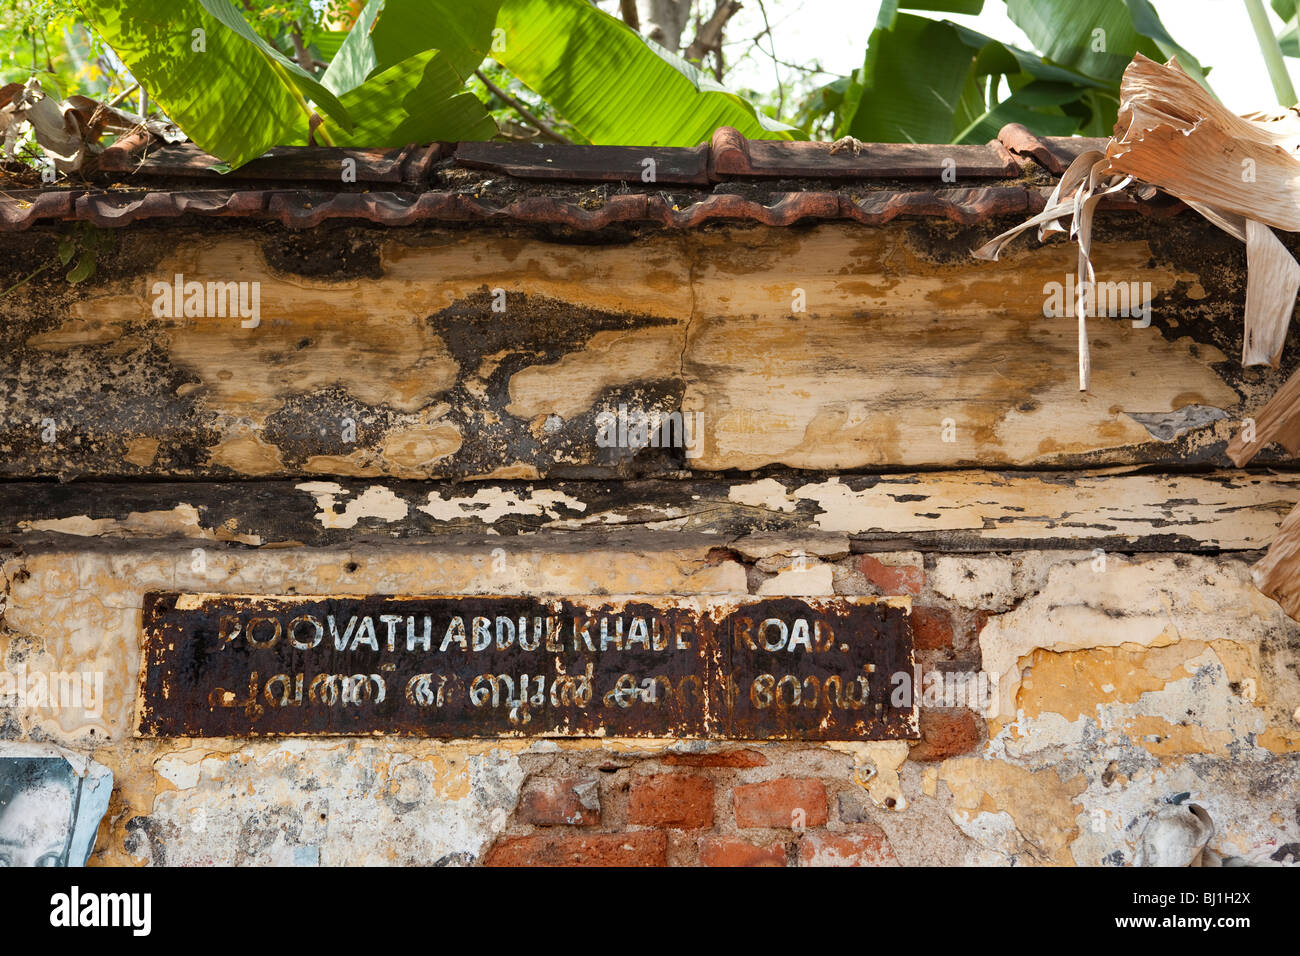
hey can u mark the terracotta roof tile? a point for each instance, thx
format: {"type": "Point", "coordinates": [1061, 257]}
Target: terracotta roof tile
{"type": "Point", "coordinates": [1053, 153]}
{"type": "Point", "coordinates": [554, 161]}
{"type": "Point", "coordinates": [147, 159]}
{"type": "Point", "coordinates": [21, 208]}
{"type": "Point", "coordinates": [728, 179]}
{"type": "Point", "coordinates": [303, 209]}
{"type": "Point", "coordinates": [733, 155]}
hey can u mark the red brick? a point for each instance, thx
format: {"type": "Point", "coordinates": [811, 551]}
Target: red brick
{"type": "Point", "coordinates": [558, 802]}
{"type": "Point", "coordinates": [681, 801]}
{"type": "Point", "coordinates": [865, 847]}
{"type": "Point", "coordinates": [889, 579]}
{"type": "Point", "coordinates": [945, 733]}
{"type": "Point", "coordinates": [566, 848]}
{"type": "Point", "coordinates": [732, 758]}
{"type": "Point", "coordinates": [773, 804]}
{"type": "Point", "coordinates": [931, 628]}
{"type": "Point", "coordinates": [728, 851]}
{"type": "Point", "coordinates": [982, 618]}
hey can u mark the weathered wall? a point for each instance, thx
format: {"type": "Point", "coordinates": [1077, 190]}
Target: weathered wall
{"type": "Point", "coordinates": [1124, 684]}
{"type": "Point", "coordinates": [900, 332]}
{"type": "Point", "coordinates": [882, 442]}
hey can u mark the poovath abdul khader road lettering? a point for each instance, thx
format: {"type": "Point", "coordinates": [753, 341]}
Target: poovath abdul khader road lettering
{"type": "Point", "coordinates": [496, 666]}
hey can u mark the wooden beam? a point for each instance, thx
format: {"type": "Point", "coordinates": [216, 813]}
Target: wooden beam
{"type": "Point", "coordinates": [946, 511]}
{"type": "Point", "coordinates": [424, 354]}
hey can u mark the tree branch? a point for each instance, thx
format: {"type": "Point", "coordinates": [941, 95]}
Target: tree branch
{"type": "Point", "coordinates": [771, 42]}
{"type": "Point", "coordinates": [666, 19]}
{"type": "Point", "coordinates": [628, 10]}
{"type": "Point", "coordinates": [546, 131]}
{"type": "Point", "coordinates": [300, 51]}
{"type": "Point", "coordinates": [708, 38]}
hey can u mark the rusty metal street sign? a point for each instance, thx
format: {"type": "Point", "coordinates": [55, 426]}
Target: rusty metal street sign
{"type": "Point", "coordinates": [218, 665]}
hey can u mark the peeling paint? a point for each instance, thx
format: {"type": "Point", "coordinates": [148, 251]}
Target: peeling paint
{"type": "Point", "coordinates": [490, 505]}
{"type": "Point", "coordinates": [181, 520]}
{"type": "Point", "coordinates": [375, 502]}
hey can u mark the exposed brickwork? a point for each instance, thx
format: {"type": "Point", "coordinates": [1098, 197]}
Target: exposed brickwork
{"type": "Point", "coordinates": [680, 801]}
{"type": "Point", "coordinates": [565, 848]}
{"type": "Point", "coordinates": [732, 758]}
{"type": "Point", "coordinates": [742, 804]}
{"type": "Point", "coordinates": [891, 579]}
{"type": "Point", "coordinates": [946, 732]}
{"type": "Point", "coordinates": [573, 801]}
{"type": "Point", "coordinates": [931, 628]}
{"type": "Point", "coordinates": [866, 846]}
{"type": "Point", "coordinates": [786, 804]}
{"type": "Point", "coordinates": [730, 851]}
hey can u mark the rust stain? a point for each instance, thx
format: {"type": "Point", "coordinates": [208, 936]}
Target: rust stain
{"type": "Point", "coordinates": [496, 666]}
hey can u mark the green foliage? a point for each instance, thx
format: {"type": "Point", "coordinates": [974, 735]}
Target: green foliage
{"type": "Point", "coordinates": [399, 74]}
{"type": "Point", "coordinates": [84, 243]}
{"type": "Point", "coordinates": [1288, 40]}
{"type": "Point", "coordinates": [287, 72]}
{"type": "Point", "coordinates": [926, 80]}
{"type": "Point", "coordinates": [226, 87]}
{"type": "Point", "coordinates": [821, 110]}
{"type": "Point", "coordinates": [78, 248]}
{"type": "Point", "coordinates": [400, 90]}
{"type": "Point", "coordinates": [417, 100]}
{"type": "Point", "coordinates": [389, 31]}
{"type": "Point", "coordinates": [612, 84]}
{"type": "Point", "coordinates": [47, 39]}
{"type": "Point", "coordinates": [1100, 40]}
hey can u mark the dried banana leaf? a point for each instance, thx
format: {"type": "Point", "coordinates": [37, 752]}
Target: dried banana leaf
{"type": "Point", "coordinates": [1173, 134]}
{"type": "Point", "coordinates": [1272, 281]}
{"type": "Point", "coordinates": [1242, 173]}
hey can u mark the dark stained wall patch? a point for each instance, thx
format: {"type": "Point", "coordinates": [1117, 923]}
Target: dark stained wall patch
{"type": "Point", "coordinates": [493, 666]}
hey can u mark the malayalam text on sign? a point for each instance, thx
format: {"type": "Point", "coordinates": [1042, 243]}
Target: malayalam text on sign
{"type": "Point", "coordinates": [490, 666]}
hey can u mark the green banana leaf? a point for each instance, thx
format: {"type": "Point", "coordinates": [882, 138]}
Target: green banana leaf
{"type": "Point", "coordinates": [909, 88]}
{"type": "Point", "coordinates": [1095, 113]}
{"type": "Point", "coordinates": [419, 100]}
{"type": "Point", "coordinates": [932, 81]}
{"type": "Point", "coordinates": [614, 86]}
{"type": "Point", "coordinates": [822, 101]}
{"type": "Point", "coordinates": [240, 96]}
{"type": "Point", "coordinates": [1026, 106]}
{"type": "Point", "coordinates": [1147, 23]}
{"type": "Point", "coordinates": [304, 82]}
{"type": "Point", "coordinates": [1006, 60]}
{"type": "Point", "coordinates": [1288, 39]}
{"type": "Point", "coordinates": [387, 33]}
{"type": "Point", "coordinates": [399, 90]}
{"type": "Point", "coordinates": [888, 9]}
{"type": "Point", "coordinates": [355, 59]}
{"type": "Point", "coordinates": [929, 80]}
{"type": "Point", "coordinates": [237, 98]}
{"type": "Point", "coordinates": [611, 84]}
{"type": "Point", "coordinates": [325, 45]}
{"type": "Point", "coordinates": [1100, 40]}
{"type": "Point", "coordinates": [972, 7]}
